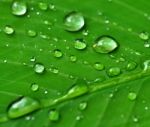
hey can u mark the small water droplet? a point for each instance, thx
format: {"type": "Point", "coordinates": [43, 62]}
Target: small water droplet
{"type": "Point", "coordinates": [9, 30]}
{"type": "Point", "coordinates": [78, 89]}
{"type": "Point", "coordinates": [131, 66]}
{"type": "Point", "coordinates": [135, 119]}
{"type": "Point", "coordinates": [132, 96]}
{"type": "Point", "coordinates": [146, 65]}
{"type": "Point", "coordinates": [144, 36]}
{"type": "Point", "coordinates": [52, 7]}
{"type": "Point", "coordinates": [85, 32]}
{"type": "Point", "coordinates": [54, 70]}
{"type": "Point", "coordinates": [80, 44]}
{"type": "Point", "coordinates": [146, 108]}
{"type": "Point", "coordinates": [98, 66]}
{"type": "Point", "coordinates": [31, 33]}
{"type": "Point", "coordinates": [73, 58]}
{"type": "Point", "coordinates": [79, 117]}
{"type": "Point", "coordinates": [105, 44]}
{"type": "Point", "coordinates": [23, 106]}
{"type": "Point", "coordinates": [114, 71]}
{"type": "Point", "coordinates": [34, 87]}
{"type": "Point", "coordinates": [83, 105]}
{"type": "Point", "coordinates": [146, 45]}
{"type": "Point", "coordinates": [74, 21]}
{"type": "Point", "coordinates": [39, 68]}
{"type": "Point", "coordinates": [19, 8]}
{"type": "Point", "coordinates": [58, 53]}
{"type": "Point", "coordinates": [54, 115]}
{"type": "Point", "coordinates": [43, 6]}
{"type": "Point", "coordinates": [32, 59]}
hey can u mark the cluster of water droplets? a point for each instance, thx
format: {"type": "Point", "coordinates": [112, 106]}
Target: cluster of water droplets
{"type": "Point", "coordinates": [73, 22]}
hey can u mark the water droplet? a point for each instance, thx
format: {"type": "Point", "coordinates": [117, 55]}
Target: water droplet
{"type": "Point", "coordinates": [114, 71]}
{"type": "Point", "coordinates": [146, 65]}
{"type": "Point", "coordinates": [19, 8]}
{"type": "Point", "coordinates": [131, 66]}
{"type": "Point", "coordinates": [74, 21]}
{"type": "Point", "coordinates": [8, 30]}
{"type": "Point", "coordinates": [146, 45]}
{"type": "Point", "coordinates": [73, 58]}
{"type": "Point", "coordinates": [23, 106]}
{"type": "Point", "coordinates": [54, 70]}
{"type": "Point", "coordinates": [98, 66]}
{"type": "Point", "coordinates": [83, 105]}
{"type": "Point", "coordinates": [31, 33]}
{"type": "Point", "coordinates": [80, 44]}
{"type": "Point", "coordinates": [39, 68]}
{"type": "Point", "coordinates": [105, 44]}
{"type": "Point", "coordinates": [58, 53]}
{"type": "Point", "coordinates": [144, 36]}
{"type": "Point", "coordinates": [34, 87]}
{"type": "Point", "coordinates": [85, 32]}
{"type": "Point", "coordinates": [79, 117]}
{"type": "Point", "coordinates": [78, 89]}
{"type": "Point", "coordinates": [32, 59]}
{"type": "Point", "coordinates": [52, 7]}
{"type": "Point", "coordinates": [132, 96]}
{"type": "Point", "coordinates": [43, 6]}
{"type": "Point", "coordinates": [54, 115]}
{"type": "Point", "coordinates": [135, 119]}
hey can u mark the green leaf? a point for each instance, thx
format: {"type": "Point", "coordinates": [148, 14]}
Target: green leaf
{"type": "Point", "coordinates": [75, 87]}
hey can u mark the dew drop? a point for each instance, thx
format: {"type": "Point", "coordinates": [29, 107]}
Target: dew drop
{"type": "Point", "coordinates": [80, 44]}
{"type": "Point", "coordinates": [114, 71]}
{"type": "Point", "coordinates": [98, 66]}
{"type": "Point", "coordinates": [43, 6]}
{"type": "Point", "coordinates": [83, 105]}
{"type": "Point", "coordinates": [74, 21]}
{"type": "Point", "coordinates": [31, 33]}
{"type": "Point", "coordinates": [32, 59]}
{"type": "Point", "coordinates": [135, 119]}
{"type": "Point", "coordinates": [85, 32]}
{"type": "Point", "coordinates": [52, 7]}
{"type": "Point", "coordinates": [132, 96]}
{"type": "Point", "coordinates": [105, 44]}
{"type": "Point", "coordinates": [23, 106]}
{"type": "Point", "coordinates": [39, 68]}
{"type": "Point", "coordinates": [58, 53]}
{"type": "Point", "coordinates": [78, 89]}
{"type": "Point", "coordinates": [144, 36]}
{"type": "Point", "coordinates": [73, 58]}
{"type": "Point", "coordinates": [54, 115]}
{"type": "Point", "coordinates": [9, 30]}
{"type": "Point", "coordinates": [19, 8]}
{"type": "Point", "coordinates": [146, 65]}
{"type": "Point", "coordinates": [131, 66]}
{"type": "Point", "coordinates": [146, 45]}
{"type": "Point", "coordinates": [54, 70]}
{"type": "Point", "coordinates": [34, 87]}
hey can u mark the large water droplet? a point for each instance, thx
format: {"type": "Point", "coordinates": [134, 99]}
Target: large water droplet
{"type": "Point", "coordinates": [22, 107]}
{"type": "Point", "coordinates": [98, 66]}
{"type": "Point", "coordinates": [74, 21]}
{"type": "Point", "coordinates": [39, 68]}
{"type": "Point", "coordinates": [144, 36]}
{"type": "Point", "coordinates": [43, 6]}
{"type": "Point", "coordinates": [132, 96]}
{"type": "Point", "coordinates": [80, 44]}
{"type": "Point", "coordinates": [114, 71]}
{"type": "Point", "coordinates": [34, 87]}
{"type": "Point", "coordinates": [83, 105]}
{"type": "Point", "coordinates": [131, 66]}
{"type": "Point", "coordinates": [8, 30]}
{"type": "Point", "coordinates": [54, 115]}
{"type": "Point", "coordinates": [19, 8]}
{"type": "Point", "coordinates": [58, 53]}
{"type": "Point", "coordinates": [105, 44]}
